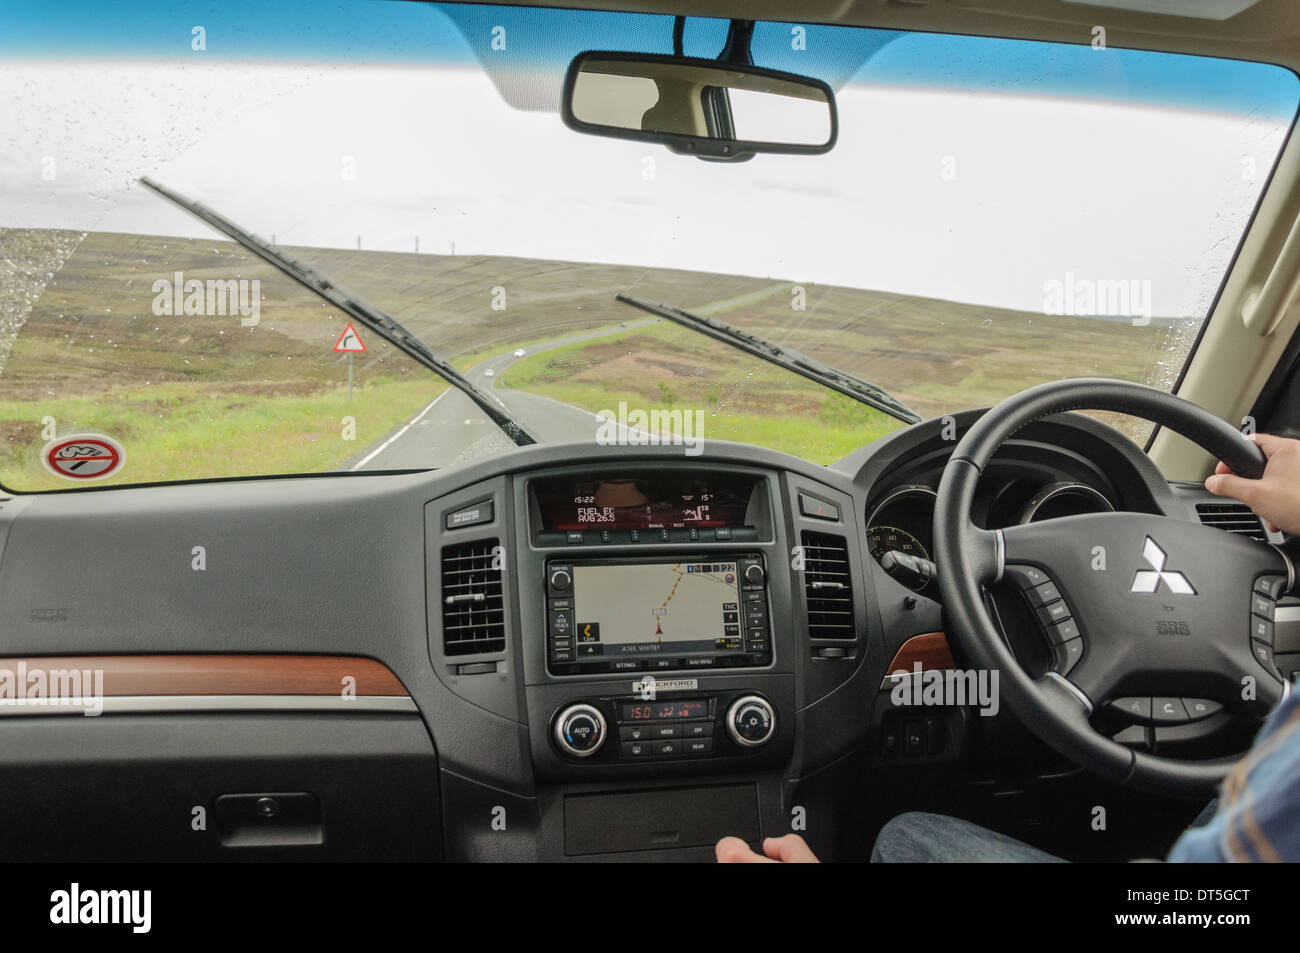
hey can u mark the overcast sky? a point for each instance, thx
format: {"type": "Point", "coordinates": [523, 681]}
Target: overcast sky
{"type": "Point", "coordinates": [974, 197]}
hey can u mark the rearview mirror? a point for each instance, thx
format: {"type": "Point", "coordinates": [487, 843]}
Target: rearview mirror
{"type": "Point", "coordinates": [707, 108]}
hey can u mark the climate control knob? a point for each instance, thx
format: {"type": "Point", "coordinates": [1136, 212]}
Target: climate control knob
{"type": "Point", "coordinates": [751, 721]}
{"type": "Point", "coordinates": [580, 730]}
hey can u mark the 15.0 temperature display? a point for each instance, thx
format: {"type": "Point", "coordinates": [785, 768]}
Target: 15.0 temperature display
{"type": "Point", "coordinates": [664, 710]}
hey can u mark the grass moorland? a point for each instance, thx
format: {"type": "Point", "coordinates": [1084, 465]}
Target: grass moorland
{"type": "Point", "coordinates": [936, 356]}
{"type": "Point", "coordinates": [668, 367]}
{"type": "Point", "coordinates": [201, 396]}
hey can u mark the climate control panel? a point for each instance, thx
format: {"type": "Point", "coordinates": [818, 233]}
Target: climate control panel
{"type": "Point", "coordinates": [688, 726]}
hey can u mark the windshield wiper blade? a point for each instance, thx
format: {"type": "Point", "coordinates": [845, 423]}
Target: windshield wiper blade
{"type": "Point", "coordinates": [786, 357]}
{"type": "Point", "coordinates": [386, 327]}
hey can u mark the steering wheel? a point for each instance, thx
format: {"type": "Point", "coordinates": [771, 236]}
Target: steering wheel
{"type": "Point", "coordinates": [1148, 606]}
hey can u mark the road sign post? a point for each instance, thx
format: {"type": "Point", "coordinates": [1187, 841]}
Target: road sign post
{"type": "Point", "coordinates": [349, 343]}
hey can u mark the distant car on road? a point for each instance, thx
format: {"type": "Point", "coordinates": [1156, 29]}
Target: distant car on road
{"type": "Point", "coordinates": [489, 373]}
{"type": "Point", "coordinates": [519, 352]}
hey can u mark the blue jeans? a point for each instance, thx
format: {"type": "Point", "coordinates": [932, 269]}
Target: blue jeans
{"type": "Point", "coordinates": [920, 838]}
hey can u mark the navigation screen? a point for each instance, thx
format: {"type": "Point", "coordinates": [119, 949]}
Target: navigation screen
{"type": "Point", "coordinates": [658, 502]}
{"type": "Point", "coordinates": [674, 607]}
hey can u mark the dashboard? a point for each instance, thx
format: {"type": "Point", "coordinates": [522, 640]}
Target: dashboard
{"type": "Point", "coordinates": [625, 651]}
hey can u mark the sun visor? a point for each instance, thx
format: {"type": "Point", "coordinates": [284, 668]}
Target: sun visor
{"type": "Point", "coordinates": [1196, 9]}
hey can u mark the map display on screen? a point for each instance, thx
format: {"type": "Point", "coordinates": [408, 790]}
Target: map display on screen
{"type": "Point", "coordinates": [657, 607]}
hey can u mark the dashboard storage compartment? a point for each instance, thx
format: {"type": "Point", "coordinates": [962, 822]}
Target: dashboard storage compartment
{"type": "Point", "coordinates": [220, 787]}
{"type": "Point", "coordinates": [659, 820]}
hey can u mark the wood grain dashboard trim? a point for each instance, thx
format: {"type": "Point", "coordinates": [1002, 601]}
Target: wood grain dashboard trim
{"type": "Point", "coordinates": [930, 649]}
{"type": "Point", "coordinates": [215, 675]}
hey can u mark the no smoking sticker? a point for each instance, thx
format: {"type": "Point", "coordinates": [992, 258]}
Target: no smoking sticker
{"type": "Point", "coordinates": [83, 456]}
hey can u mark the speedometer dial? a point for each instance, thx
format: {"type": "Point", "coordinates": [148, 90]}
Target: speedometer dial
{"type": "Point", "coordinates": [902, 522]}
{"type": "Point", "coordinates": [886, 539]}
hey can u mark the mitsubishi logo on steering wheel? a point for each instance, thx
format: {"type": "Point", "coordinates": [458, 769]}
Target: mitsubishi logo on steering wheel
{"type": "Point", "coordinates": [1148, 580]}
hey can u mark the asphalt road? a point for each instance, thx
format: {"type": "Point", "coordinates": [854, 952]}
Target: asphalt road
{"type": "Point", "coordinates": [452, 429]}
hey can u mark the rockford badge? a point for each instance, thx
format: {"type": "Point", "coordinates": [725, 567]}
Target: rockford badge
{"type": "Point", "coordinates": [650, 683]}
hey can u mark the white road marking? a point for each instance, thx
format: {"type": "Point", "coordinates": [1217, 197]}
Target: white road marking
{"type": "Point", "coordinates": [497, 383]}
{"type": "Point", "coordinates": [414, 420]}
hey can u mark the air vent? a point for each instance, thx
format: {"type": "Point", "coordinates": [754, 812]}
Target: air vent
{"type": "Point", "coordinates": [473, 614]}
{"type": "Point", "coordinates": [1232, 517]}
{"type": "Point", "coordinates": [828, 587]}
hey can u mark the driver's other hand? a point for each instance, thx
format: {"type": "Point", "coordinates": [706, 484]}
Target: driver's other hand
{"type": "Point", "coordinates": [1275, 497]}
{"type": "Point", "coordinates": [789, 849]}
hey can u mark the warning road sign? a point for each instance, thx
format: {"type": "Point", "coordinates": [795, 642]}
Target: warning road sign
{"type": "Point", "coordinates": [349, 341]}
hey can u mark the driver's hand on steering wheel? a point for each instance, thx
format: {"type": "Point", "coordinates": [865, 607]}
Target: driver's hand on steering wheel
{"type": "Point", "coordinates": [789, 849]}
{"type": "Point", "coordinates": [1274, 497]}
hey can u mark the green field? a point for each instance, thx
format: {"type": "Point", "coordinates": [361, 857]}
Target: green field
{"type": "Point", "coordinates": [202, 396]}
{"type": "Point", "coordinates": [742, 398]}
{"type": "Point", "coordinates": [179, 432]}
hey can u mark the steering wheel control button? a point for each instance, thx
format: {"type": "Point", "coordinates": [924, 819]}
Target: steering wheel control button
{"type": "Point", "coordinates": [1263, 652]}
{"type": "Point", "coordinates": [1198, 708]}
{"type": "Point", "coordinates": [1168, 711]}
{"type": "Point", "coordinates": [1137, 709]}
{"type": "Point", "coordinates": [751, 721]}
{"type": "Point", "coordinates": [1261, 630]}
{"type": "Point", "coordinates": [1270, 586]}
{"type": "Point", "coordinates": [1068, 655]}
{"type": "Point", "coordinates": [1055, 612]}
{"type": "Point", "coordinates": [1063, 631]}
{"type": "Point", "coordinates": [1261, 606]}
{"type": "Point", "coordinates": [818, 509]}
{"type": "Point", "coordinates": [580, 730]}
{"type": "Point", "coordinates": [1043, 595]}
{"type": "Point", "coordinates": [1026, 577]}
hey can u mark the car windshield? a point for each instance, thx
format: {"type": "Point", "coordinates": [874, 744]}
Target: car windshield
{"type": "Point", "coordinates": [993, 214]}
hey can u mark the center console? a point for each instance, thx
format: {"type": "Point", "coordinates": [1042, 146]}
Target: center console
{"type": "Point", "coordinates": [660, 638]}
{"type": "Point", "coordinates": [640, 626]}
